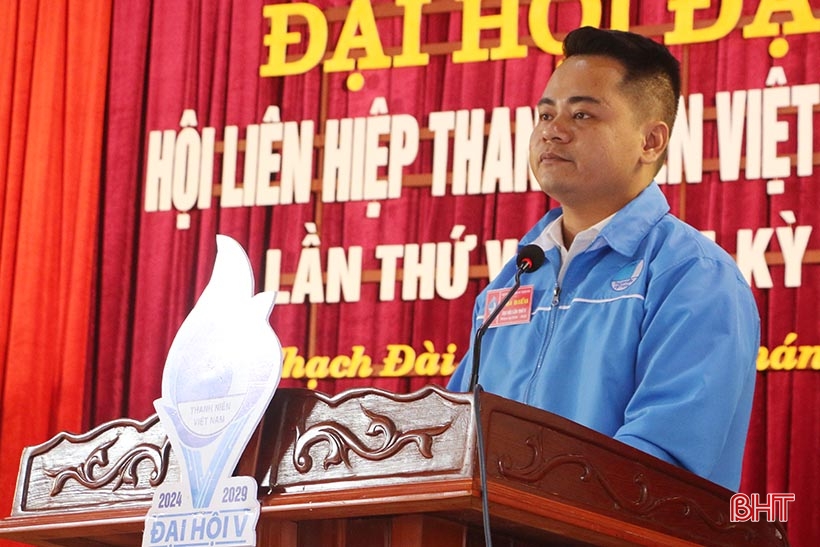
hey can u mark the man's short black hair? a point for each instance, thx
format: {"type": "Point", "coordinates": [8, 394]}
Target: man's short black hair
{"type": "Point", "coordinates": [651, 70]}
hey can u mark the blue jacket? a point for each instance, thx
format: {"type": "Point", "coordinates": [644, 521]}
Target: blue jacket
{"type": "Point", "coordinates": [652, 340]}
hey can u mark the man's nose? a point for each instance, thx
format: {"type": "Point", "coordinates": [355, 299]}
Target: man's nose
{"type": "Point", "coordinates": [557, 129]}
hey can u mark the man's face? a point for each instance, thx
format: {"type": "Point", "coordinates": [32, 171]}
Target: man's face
{"type": "Point", "coordinates": [587, 147]}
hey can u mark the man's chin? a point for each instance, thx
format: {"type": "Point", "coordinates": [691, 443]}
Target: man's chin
{"type": "Point", "coordinates": [555, 190]}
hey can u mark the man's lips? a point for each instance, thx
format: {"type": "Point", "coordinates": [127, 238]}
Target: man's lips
{"type": "Point", "coordinates": [552, 157]}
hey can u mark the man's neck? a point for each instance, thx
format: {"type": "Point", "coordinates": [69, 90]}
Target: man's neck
{"type": "Point", "coordinates": [573, 224]}
{"type": "Point", "coordinates": [578, 219]}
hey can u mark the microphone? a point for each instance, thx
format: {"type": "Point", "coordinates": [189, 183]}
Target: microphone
{"type": "Point", "coordinates": [530, 258]}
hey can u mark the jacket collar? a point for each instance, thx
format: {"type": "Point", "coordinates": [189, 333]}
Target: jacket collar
{"type": "Point", "coordinates": [623, 233]}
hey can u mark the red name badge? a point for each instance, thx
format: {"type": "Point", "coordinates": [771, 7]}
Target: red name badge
{"type": "Point", "coordinates": [518, 309]}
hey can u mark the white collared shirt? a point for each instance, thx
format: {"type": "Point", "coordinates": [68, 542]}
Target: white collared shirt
{"type": "Point", "coordinates": [554, 236]}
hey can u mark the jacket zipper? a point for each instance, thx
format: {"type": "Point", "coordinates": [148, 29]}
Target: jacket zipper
{"type": "Point", "coordinates": [556, 297]}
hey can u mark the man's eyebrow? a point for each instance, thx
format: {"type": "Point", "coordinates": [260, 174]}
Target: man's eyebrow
{"type": "Point", "coordinates": [575, 99]}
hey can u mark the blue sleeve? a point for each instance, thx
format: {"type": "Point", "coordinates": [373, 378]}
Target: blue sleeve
{"type": "Point", "coordinates": [695, 373]}
{"type": "Point", "coordinates": [460, 380]}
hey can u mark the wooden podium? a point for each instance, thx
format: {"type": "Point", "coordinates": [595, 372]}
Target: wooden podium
{"type": "Point", "coordinates": [369, 468]}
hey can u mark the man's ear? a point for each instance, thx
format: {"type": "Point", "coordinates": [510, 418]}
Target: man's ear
{"type": "Point", "coordinates": [655, 141]}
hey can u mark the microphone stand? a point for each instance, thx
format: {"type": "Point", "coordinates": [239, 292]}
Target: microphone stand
{"type": "Point", "coordinates": [476, 389]}
{"type": "Point", "coordinates": [524, 267]}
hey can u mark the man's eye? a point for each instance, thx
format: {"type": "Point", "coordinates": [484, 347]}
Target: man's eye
{"type": "Point", "coordinates": [580, 115]}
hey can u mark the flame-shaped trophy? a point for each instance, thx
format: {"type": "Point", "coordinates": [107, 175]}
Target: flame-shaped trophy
{"type": "Point", "coordinates": [222, 370]}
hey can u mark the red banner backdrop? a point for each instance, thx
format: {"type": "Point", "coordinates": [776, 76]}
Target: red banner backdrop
{"type": "Point", "coordinates": [368, 155]}
{"type": "Point", "coordinates": [53, 62]}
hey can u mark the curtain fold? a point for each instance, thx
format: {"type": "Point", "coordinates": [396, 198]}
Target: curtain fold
{"type": "Point", "coordinates": [54, 59]}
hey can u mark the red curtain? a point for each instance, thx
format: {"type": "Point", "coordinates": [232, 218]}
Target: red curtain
{"type": "Point", "coordinates": [68, 314]}
{"type": "Point", "coordinates": [54, 58]}
{"type": "Point", "coordinates": [204, 57]}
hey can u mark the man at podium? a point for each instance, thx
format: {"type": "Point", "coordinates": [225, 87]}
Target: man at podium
{"type": "Point", "coordinates": [639, 326]}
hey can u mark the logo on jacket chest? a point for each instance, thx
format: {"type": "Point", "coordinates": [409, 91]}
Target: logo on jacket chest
{"type": "Point", "coordinates": [627, 275]}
